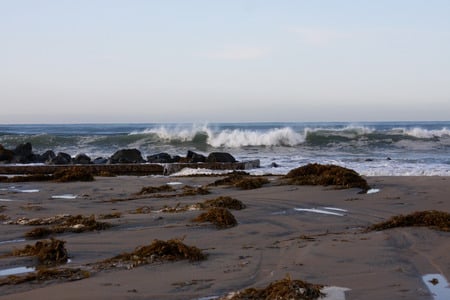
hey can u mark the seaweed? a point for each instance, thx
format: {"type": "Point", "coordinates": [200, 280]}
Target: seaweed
{"type": "Point", "coordinates": [64, 223]}
{"type": "Point", "coordinates": [48, 252]}
{"type": "Point", "coordinates": [282, 289]}
{"type": "Point", "coordinates": [155, 189]}
{"type": "Point", "coordinates": [223, 201]}
{"type": "Point", "coordinates": [193, 191]}
{"type": "Point", "coordinates": [433, 219]}
{"type": "Point", "coordinates": [317, 174]}
{"type": "Point", "coordinates": [158, 250]}
{"type": "Point", "coordinates": [242, 180]}
{"type": "Point", "coordinates": [45, 274]}
{"type": "Point", "coordinates": [73, 174]}
{"type": "Point", "coordinates": [221, 217]}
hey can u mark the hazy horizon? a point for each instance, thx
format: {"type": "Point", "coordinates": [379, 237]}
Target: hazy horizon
{"type": "Point", "coordinates": [224, 61]}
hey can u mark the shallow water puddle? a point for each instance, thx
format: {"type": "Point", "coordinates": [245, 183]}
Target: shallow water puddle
{"type": "Point", "coordinates": [6, 200]}
{"type": "Point", "coordinates": [174, 183]}
{"type": "Point", "coordinates": [15, 189]}
{"type": "Point", "coordinates": [17, 270]}
{"type": "Point", "coordinates": [324, 210]}
{"type": "Point", "coordinates": [65, 196]}
{"type": "Point", "coordinates": [438, 286]}
{"type": "Point", "coordinates": [12, 241]}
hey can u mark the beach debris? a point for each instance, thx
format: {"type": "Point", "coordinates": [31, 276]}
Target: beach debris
{"type": "Point", "coordinates": [49, 252]}
{"type": "Point", "coordinates": [46, 274]}
{"type": "Point", "coordinates": [317, 174]}
{"type": "Point", "coordinates": [113, 215]}
{"type": "Point", "coordinates": [224, 202]}
{"type": "Point", "coordinates": [433, 219]}
{"type": "Point", "coordinates": [242, 180]}
{"type": "Point", "coordinates": [157, 251]}
{"type": "Point", "coordinates": [73, 174]}
{"type": "Point", "coordinates": [286, 288]}
{"type": "Point", "coordinates": [61, 223]}
{"type": "Point", "coordinates": [221, 217]}
{"type": "Point", "coordinates": [155, 189]}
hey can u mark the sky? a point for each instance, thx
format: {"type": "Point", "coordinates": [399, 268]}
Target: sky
{"type": "Point", "coordinates": [97, 61]}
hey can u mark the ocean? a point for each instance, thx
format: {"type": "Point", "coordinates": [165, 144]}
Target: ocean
{"type": "Point", "coordinates": [370, 148]}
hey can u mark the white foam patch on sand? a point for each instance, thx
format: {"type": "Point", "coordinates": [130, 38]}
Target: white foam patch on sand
{"type": "Point", "coordinates": [320, 211]}
{"type": "Point", "coordinates": [174, 183]}
{"type": "Point", "coordinates": [65, 196]}
{"type": "Point", "coordinates": [6, 200]}
{"type": "Point", "coordinates": [200, 171]}
{"type": "Point", "coordinates": [15, 271]}
{"type": "Point", "coordinates": [438, 286]}
{"type": "Point", "coordinates": [373, 191]}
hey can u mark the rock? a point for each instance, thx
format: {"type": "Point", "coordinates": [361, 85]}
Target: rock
{"type": "Point", "coordinates": [6, 155]}
{"type": "Point", "coordinates": [195, 157]}
{"type": "Point", "coordinates": [23, 153]}
{"type": "Point", "coordinates": [47, 156]}
{"type": "Point", "coordinates": [274, 165]}
{"type": "Point", "coordinates": [100, 161]}
{"type": "Point", "coordinates": [82, 159]}
{"type": "Point", "coordinates": [160, 158]}
{"type": "Point", "coordinates": [61, 159]}
{"type": "Point", "coordinates": [223, 157]}
{"type": "Point", "coordinates": [126, 156]}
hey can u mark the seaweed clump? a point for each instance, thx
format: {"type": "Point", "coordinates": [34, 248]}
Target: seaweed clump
{"type": "Point", "coordinates": [282, 289]}
{"type": "Point", "coordinates": [61, 224]}
{"type": "Point", "coordinates": [224, 202]}
{"type": "Point", "coordinates": [317, 174]}
{"type": "Point", "coordinates": [434, 219]}
{"type": "Point", "coordinates": [45, 274]}
{"type": "Point", "coordinates": [242, 180]}
{"type": "Point", "coordinates": [158, 250]}
{"type": "Point", "coordinates": [73, 174]}
{"type": "Point", "coordinates": [155, 189]}
{"type": "Point", "coordinates": [221, 217]}
{"type": "Point", "coordinates": [48, 252]}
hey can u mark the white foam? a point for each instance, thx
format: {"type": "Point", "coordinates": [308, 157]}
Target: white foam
{"type": "Point", "coordinates": [319, 211]}
{"type": "Point", "coordinates": [440, 289]}
{"type": "Point", "coordinates": [199, 171]}
{"type": "Point", "coordinates": [6, 200]}
{"type": "Point", "coordinates": [17, 270]}
{"type": "Point", "coordinates": [174, 183]}
{"type": "Point", "coordinates": [65, 196]}
{"type": "Point", "coordinates": [373, 191]}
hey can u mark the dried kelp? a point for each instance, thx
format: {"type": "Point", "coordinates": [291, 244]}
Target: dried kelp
{"type": "Point", "coordinates": [45, 274]}
{"type": "Point", "coordinates": [317, 174]}
{"type": "Point", "coordinates": [223, 201]}
{"type": "Point", "coordinates": [281, 289]}
{"type": "Point", "coordinates": [155, 189]}
{"type": "Point", "coordinates": [48, 252]}
{"type": "Point", "coordinates": [63, 223]}
{"type": "Point", "coordinates": [434, 219]}
{"type": "Point", "coordinates": [242, 180]}
{"type": "Point", "coordinates": [73, 174]}
{"type": "Point", "coordinates": [221, 217]}
{"type": "Point", "coordinates": [158, 250]}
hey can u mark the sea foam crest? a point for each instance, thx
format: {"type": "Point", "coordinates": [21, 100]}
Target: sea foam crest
{"type": "Point", "coordinates": [178, 133]}
{"type": "Point", "coordinates": [425, 133]}
{"type": "Point", "coordinates": [240, 138]}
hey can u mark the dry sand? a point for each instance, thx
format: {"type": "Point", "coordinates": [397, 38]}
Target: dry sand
{"type": "Point", "coordinates": [271, 240]}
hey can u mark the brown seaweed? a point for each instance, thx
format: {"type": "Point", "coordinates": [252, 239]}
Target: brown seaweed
{"type": "Point", "coordinates": [242, 180]}
{"type": "Point", "coordinates": [155, 189]}
{"type": "Point", "coordinates": [317, 174]}
{"type": "Point", "coordinates": [46, 274]}
{"type": "Point", "coordinates": [48, 252]}
{"type": "Point", "coordinates": [282, 289]}
{"type": "Point", "coordinates": [221, 217]}
{"type": "Point", "coordinates": [158, 250]}
{"type": "Point", "coordinates": [434, 219]}
{"type": "Point", "coordinates": [224, 202]}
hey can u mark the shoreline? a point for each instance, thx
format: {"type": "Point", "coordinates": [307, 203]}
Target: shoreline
{"type": "Point", "coordinates": [272, 238]}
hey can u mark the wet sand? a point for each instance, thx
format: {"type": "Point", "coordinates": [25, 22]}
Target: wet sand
{"type": "Point", "coordinates": [272, 238]}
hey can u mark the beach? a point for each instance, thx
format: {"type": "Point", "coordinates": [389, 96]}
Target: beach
{"type": "Point", "coordinates": [313, 233]}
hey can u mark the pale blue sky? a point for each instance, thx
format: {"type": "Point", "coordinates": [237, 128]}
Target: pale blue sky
{"type": "Point", "coordinates": [224, 61]}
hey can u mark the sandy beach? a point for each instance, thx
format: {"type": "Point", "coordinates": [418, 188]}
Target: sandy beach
{"type": "Point", "coordinates": [312, 233]}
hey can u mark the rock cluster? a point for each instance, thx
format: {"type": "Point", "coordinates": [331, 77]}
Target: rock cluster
{"type": "Point", "coordinates": [23, 154]}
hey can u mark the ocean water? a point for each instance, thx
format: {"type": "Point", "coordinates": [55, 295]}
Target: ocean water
{"type": "Point", "coordinates": [377, 148]}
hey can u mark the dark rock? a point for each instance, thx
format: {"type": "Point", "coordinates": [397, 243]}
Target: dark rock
{"type": "Point", "coordinates": [160, 158]}
{"type": "Point", "coordinates": [388, 158]}
{"type": "Point", "coordinates": [176, 158]}
{"type": "Point", "coordinates": [100, 161]}
{"type": "Point", "coordinates": [220, 157]}
{"type": "Point", "coordinates": [126, 156]}
{"type": "Point", "coordinates": [82, 159]}
{"type": "Point", "coordinates": [23, 153]}
{"type": "Point", "coordinates": [61, 159]}
{"type": "Point", "coordinates": [369, 159]}
{"type": "Point", "coordinates": [274, 165]}
{"type": "Point", "coordinates": [47, 156]}
{"type": "Point", "coordinates": [6, 155]}
{"type": "Point", "coordinates": [195, 157]}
